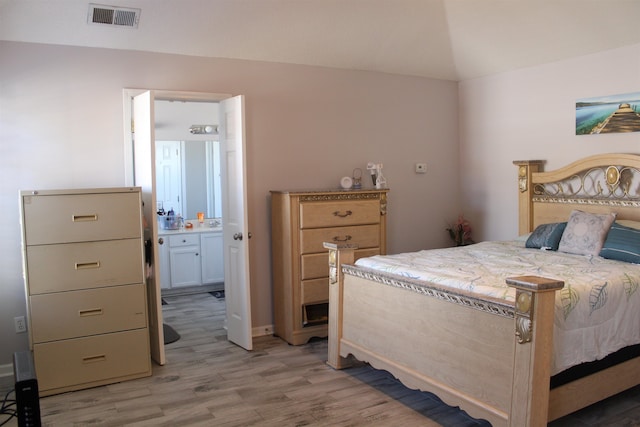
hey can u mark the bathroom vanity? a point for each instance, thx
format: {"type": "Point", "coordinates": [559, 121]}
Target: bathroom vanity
{"type": "Point", "coordinates": [191, 256]}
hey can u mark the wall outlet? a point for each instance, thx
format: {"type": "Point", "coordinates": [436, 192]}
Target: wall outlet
{"type": "Point", "coordinates": [21, 324]}
{"type": "Point", "coordinates": [421, 168]}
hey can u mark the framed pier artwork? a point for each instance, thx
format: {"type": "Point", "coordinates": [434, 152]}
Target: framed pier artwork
{"type": "Point", "coordinates": [608, 114]}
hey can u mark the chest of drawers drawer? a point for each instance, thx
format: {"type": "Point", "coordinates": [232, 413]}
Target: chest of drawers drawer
{"type": "Point", "coordinates": [64, 315]}
{"type": "Point", "coordinates": [81, 217]}
{"type": "Point", "coordinates": [339, 213]}
{"type": "Point", "coordinates": [314, 266]}
{"type": "Point", "coordinates": [70, 266]}
{"type": "Point", "coordinates": [91, 360]}
{"type": "Point", "coordinates": [366, 236]}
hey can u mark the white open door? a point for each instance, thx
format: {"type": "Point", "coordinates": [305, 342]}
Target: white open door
{"type": "Point", "coordinates": [144, 176]}
{"type": "Point", "coordinates": [235, 222]}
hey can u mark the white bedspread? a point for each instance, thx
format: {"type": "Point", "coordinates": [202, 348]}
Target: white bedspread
{"type": "Point", "coordinates": [597, 312]}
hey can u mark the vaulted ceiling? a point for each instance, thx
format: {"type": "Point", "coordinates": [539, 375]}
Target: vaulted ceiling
{"type": "Point", "coordinates": [444, 39]}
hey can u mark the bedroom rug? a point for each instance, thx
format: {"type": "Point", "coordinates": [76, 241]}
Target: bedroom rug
{"type": "Point", "coordinates": [170, 335]}
{"type": "Point", "coordinates": [218, 294]}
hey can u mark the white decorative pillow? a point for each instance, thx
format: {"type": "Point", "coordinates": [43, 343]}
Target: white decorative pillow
{"type": "Point", "coordinates": [585, 233]}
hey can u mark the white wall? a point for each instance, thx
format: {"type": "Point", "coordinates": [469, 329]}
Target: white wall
{"type": "Point", "coordinates": [61, 126]}
{"type": "Point", "coordinates": [530, 114]}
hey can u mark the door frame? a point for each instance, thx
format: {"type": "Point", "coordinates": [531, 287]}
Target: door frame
{"type": "Point", "coordinates": [167, 95]}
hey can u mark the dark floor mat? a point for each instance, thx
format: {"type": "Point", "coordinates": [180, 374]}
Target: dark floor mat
{"type": "Point", "coordinates": [170, 335]}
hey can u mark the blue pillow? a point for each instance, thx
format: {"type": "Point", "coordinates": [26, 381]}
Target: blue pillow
{"type": "Point", "coordinates": [546, 236]}
{"type": "Point", "coordinates": [622, 244]}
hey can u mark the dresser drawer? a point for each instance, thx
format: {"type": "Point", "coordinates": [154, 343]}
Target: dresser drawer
{"type": "Point", "coordinates": [75, 314]}
{"type": "Point", "coordinates": [315, 266]}
{"type": "Point", "coordinates": [339, 213]}
{"type": "Point", "coordinates": [71, 266]}
{"type": "Point", "coordinates": [315, 291]}
{"type": "Point", "coordinates": [81, 217]}
{"type": "Point", "coordinates": [184, 240]}
{"type": "Point", "coordinates": [365, 236]}
{"type": "Point", "coordinates": [80, 361]}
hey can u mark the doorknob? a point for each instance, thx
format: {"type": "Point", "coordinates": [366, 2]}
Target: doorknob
{"type": "Point", "coordinates": [237, 236]}
{"type": "Point", "coordinates": [160, 241]}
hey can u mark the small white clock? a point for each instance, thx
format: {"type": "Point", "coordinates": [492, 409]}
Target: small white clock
{"type": "Point", "coordinates": [346, 182]}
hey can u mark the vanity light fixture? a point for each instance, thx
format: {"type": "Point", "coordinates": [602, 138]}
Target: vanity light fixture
{"type": "Point", "coordinates": [204, 129]}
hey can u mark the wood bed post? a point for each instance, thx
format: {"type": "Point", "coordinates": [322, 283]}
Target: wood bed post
{"type": "Point", "coordinates": [526, 168]}
{"type": "Point", "coordinates": [338, 254]}
{"type": "Point", "coordinates": [534, 313]}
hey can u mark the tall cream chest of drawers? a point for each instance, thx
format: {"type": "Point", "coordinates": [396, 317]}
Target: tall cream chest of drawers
{"type": "Point", "coordinates": [301, 221]}
{"type": "Point", "coordinates": [83, 255]}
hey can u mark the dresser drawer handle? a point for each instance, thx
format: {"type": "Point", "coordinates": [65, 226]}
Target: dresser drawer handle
{"type": "Point", "coordinates": [87, 265]}
{"type": "Point", "coordinates": [81, 218]}
{"type": "Point", "coordinates": [93, 359]}
{"type": "Point", "coordinates": [90, 312]}
{"type": "Point", "coordinates": [346, 238]}
{"type": "Point", "coordinates": [342, 215]}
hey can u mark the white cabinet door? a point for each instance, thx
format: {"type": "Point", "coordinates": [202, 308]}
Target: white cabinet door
{"type": "Point", "coordinates": [212, 260]}
{"type": "Point", "coordinates": [185, 266]}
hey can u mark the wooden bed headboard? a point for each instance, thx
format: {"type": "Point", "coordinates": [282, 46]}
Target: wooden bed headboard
{"type": "Point", "coordinates": [599, 184]}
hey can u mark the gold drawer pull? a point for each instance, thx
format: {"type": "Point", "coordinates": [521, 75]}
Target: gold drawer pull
{"type": "Point", "coordinates": [338, 239]}
{"type": "Point", "coordinates": [81, 218]}
{"type": "Point", "coordinates": [93, 359]}
{"type": "Point", "coordinates": [90, 312]}
{"type": "Point", "coordinates": [342, 215]}
{"type": "Point", "coordinates": [87, 265]}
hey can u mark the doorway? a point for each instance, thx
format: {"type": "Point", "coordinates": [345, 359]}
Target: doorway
{"type": "Point", "coordinates": [140, 128]}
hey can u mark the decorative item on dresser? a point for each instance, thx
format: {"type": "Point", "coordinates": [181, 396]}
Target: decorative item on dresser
{"type": "Point", "coordinates": [301, 222]}
{"type": "Point", "coordinates": [83, 255]}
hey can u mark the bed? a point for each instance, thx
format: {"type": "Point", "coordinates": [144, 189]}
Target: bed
{"type": "Point", "coordinates": [491, 351]}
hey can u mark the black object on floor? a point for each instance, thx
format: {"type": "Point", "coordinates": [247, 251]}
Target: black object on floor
{"type": "Point", "coordinates": [170, 335]}
{"type": "Point", "coordinates": [218, 294]}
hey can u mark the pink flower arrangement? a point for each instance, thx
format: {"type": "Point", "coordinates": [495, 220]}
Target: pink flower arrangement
{"type": "Point", "coordinates": [460, 232]}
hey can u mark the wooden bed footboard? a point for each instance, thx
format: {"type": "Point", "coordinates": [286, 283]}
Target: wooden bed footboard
{"type": "Point", "coordinates": [498, 372]}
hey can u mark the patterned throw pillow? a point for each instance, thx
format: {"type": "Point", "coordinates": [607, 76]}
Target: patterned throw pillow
{"type": "Point", "coordinates": [585, 233]}
{"type": "Point", "coordinates": [546, 236]}
{"type": "Point", "coordinates": [622, 244]}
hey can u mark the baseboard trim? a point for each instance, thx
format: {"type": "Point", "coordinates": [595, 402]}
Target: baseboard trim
{"type": "Point", "coordinates": [6, 370]}
{"type": "Point", "coordinates": [261, 331]}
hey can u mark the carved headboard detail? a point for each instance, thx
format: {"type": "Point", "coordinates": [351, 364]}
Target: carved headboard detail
{"type": "Point", "coordinates": [601, 183]}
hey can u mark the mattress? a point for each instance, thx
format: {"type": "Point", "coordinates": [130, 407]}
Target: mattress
{"type": "Point", "coordinates": [597, 312]}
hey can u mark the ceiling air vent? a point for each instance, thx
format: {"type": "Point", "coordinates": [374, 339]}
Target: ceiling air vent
{"type": "Point", "coordinates": [110, 15]}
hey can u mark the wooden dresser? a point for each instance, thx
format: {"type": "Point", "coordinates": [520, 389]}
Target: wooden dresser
{"type": "Point", "coordinates": [301, 222]}
{"type": "Point", "coordinates": [83, 258]}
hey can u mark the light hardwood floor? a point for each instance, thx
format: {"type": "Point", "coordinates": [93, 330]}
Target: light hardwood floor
{"type": "Point", "coordinates": [208, 381]}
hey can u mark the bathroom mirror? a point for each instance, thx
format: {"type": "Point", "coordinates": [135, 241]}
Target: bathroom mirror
{"type": "Point", "coordinates": [188, 178]}
{"type": "Point", "coordinates": [187, 164]}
